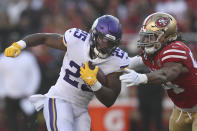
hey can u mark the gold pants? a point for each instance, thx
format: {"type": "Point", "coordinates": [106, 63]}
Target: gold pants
{"type": "Point", "coordinates": [183, 121]}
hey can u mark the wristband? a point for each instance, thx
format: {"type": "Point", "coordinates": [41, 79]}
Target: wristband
{"type": "Point", "coordinates": [22, 43]}
{"type": "Point", "coordinates": [97, 86]}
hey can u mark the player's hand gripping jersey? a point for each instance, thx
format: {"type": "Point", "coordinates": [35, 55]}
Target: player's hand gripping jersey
{"type": "Point", "coordinates": [70, 86]}
{"type": "Point", "coordinates": [182, 90]}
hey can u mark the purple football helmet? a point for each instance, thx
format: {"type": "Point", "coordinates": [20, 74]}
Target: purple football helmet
{"type": "Point", "coordinates": [106, 35]}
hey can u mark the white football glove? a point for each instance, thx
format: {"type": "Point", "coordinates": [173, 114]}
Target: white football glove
{"type": "Point", "coordinates": [132, 78]}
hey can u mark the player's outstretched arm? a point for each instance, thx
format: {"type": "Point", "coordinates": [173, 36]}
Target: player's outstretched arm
{"type": "Point", "coordinates": [168, 72]}
{"type": "Point", "coordinates": [50, 39]}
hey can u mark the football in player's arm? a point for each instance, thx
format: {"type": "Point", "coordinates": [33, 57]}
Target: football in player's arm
{"type": "Point", "coordinates": [92, 65]}
{"type": "Point", "coordinates": [172, 64]}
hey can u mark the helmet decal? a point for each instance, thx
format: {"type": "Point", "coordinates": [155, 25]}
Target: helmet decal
{"type": "Point", "coordinates": [162, 22]}
{"type": "Point", "coordinates": [111, 37]}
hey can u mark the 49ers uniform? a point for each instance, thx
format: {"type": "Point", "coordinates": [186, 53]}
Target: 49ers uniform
{"type": "Point", "coordinates": [184, 95]}
{"type": "Point", "coordinates": [182, 90]}
{"type": "Point", "coordinates": [161, 44]}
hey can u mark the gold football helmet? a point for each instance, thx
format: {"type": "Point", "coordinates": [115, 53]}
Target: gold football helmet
{"type": "Point", "coordinates": [157, 30]}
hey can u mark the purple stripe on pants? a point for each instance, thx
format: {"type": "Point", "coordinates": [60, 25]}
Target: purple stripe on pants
{"type": "Point", "coordinates": [52, 117]}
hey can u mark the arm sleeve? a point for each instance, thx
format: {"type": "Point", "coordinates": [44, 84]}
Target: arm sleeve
{"type": "Point", "coordinates": [178, 55]}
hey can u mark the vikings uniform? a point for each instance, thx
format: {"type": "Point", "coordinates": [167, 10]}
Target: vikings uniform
{"type": "Point", "coordinates": [183, 89]}
{"type": "Point", "coordinates": [71, 91]}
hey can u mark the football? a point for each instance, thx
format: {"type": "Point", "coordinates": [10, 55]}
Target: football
{"type": "Point", "coordinates": [100, 75]}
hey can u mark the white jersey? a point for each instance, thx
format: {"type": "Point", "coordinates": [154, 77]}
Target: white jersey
{"type": "Point", "coordinates": [70, 86]}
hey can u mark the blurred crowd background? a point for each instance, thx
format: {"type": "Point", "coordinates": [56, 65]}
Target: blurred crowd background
{"type": "Point", "coordinates": [19, 18]}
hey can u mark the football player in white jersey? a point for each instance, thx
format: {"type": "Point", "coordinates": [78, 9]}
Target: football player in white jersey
{"type": "Point", "coordinates": [66, 103]}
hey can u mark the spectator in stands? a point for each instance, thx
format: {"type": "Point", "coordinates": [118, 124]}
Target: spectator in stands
{"type": "Point", "coordinates": [16, 86]}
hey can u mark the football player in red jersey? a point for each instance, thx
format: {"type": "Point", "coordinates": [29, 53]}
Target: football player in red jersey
{"type": "Point", "coordinates": [172, 64]}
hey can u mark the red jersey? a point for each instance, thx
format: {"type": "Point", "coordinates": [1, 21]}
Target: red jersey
{"type": "Point", "coordinates": [184, 95]}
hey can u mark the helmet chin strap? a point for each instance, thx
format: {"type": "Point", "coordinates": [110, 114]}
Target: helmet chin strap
{"type": "Point", "coordinates": [99, 54]}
